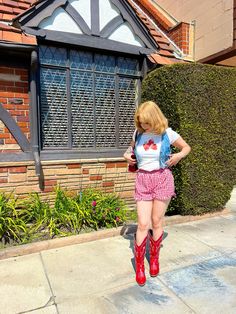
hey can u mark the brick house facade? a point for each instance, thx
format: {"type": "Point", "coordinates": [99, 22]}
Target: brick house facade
{"type": "Point", "coordinates": [45, 140]}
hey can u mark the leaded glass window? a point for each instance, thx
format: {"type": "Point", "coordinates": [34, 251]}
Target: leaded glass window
{"type": "Point", "coordinates": [87, 100]}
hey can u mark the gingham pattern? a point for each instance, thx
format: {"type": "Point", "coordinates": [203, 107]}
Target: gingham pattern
{"type": "Point", "coordinates": [157, 184]}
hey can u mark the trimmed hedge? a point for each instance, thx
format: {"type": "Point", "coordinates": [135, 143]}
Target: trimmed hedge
{"type": "Point", "coordinates": [200, 103]}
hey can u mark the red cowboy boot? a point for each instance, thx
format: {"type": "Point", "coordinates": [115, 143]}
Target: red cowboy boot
{"type": "Point", "coordinates": [139, 253]}
{"type": "Point", "coordinates": [154, 250]}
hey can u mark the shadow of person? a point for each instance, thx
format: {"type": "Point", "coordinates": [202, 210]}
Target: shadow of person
{"type": "Point", "coordinates": [128, 232]}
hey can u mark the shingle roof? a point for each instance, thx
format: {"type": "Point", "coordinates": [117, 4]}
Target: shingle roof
{"type": "Point", "coordinates": [9, 9]}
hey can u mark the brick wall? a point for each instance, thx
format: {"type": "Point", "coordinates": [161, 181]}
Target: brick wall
{"type": "Point", "coordinates": [109, 176]}
{"type": "Point", "coordinates": [15, 99]}
{"type": "Point", "coordinates": [180, 35]}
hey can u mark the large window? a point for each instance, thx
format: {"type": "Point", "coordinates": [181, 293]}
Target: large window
{"type": "Point", "coordinates": [87, 100]}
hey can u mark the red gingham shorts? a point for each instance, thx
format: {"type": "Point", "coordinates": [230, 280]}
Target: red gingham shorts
{"type": "Point", "coordinates": [156, 184]}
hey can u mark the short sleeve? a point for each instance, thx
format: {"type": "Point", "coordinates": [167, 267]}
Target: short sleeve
{"type": "Point", "coordinates": [173, 136]}
{"type": "Point", "coordinates": [134, 135]}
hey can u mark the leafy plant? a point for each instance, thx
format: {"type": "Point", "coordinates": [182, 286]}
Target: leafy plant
{"type": "Point", "coordinates": [36, 219]}
{"type": "Point", "coordinates": [11, 225]}
{"type": "Point", "coordinates": [101, 210]}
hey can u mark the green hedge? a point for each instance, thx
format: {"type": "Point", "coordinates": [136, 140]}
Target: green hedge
{"type": "Point", "coordinates": [200, 103]}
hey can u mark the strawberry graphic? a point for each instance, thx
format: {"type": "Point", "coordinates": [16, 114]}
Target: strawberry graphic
{"type": "Point", "coordinates": [150, 144]}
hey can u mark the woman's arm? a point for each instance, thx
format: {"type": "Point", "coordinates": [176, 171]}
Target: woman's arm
{"type": "Point", "coordinates": [128, 153]}
{"type": "Point", "coordinates": [184, 151]}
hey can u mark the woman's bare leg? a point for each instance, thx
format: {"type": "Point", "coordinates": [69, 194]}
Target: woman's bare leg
{"type": "Point", "coordinates": [157, 217]}
{"type": "Point", "coordinates": [144, 209]}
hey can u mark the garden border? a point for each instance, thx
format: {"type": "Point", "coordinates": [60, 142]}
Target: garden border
{"type": "Point", "coordinates": [36, 247]}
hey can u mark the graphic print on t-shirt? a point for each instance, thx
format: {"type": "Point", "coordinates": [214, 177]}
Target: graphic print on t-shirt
{"type": "Point", "coordinates": [150, 144]}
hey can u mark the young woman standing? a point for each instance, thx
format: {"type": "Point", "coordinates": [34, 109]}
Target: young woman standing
{"type": "Point", "coordinates": [154, 186]}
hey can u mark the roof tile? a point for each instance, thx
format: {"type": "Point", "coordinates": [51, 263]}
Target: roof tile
{"type": "Point", "coordinates": [5, 9]}
{"type": "Point", "coordinates": [9, 9]}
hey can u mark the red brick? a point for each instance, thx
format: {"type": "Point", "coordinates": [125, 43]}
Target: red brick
{"type": "Point", "coordinates": [22, 107]}
{"type": "Point", "coordinates": [3, 169]}
{"type": "Point", "coordinates": [108, 183]}
{"type": "Point", "coordinates": [15, 89]}
{"type": "Point", "coordinates": [21, 119]}
{"type": "Point", "coordinates": [6, 70]}
{"type": "Point", "coordinates": [17, 169]}
{"type": "Point", "coordinates": [10, 141]}
{"type": "Point", "coordinates": [21, 71]}
{"type": "Point", "coordinates": [48, 189]}
{"type": "Point", "coordinates": [110, 165]}
{"type": "Point", "coordinates": [3, 180]}
{"type": "Point", "coordinates": [50, 183]}
{"type": "Point", "coordinates": [95, 178]}
{"type": "Point", "coordinates": [3, 100]}
{"type": "Point", "coordinates": [6, 135]}
{"type": "Point", "coordinates": [7, 83]}
{"type": "Point", "coordinates": [73, 166]}
{"type": "Point", "coordinates": [17, 113]}
{"type": "Point", "coordinates": [121, 165]}
{"type": "Point", "coordinates": [22, 84]}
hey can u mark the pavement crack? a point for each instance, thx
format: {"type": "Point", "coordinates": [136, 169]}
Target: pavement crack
{"type": "Point", "coordinates": [52, 298]}
{"type": "Point", "coordinates": [50, 302]}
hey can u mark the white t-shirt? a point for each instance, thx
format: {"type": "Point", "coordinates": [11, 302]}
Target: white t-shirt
{"type": "Point", "coordinates": [147, 150]}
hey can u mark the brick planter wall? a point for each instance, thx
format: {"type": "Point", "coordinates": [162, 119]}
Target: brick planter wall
{"type": "Point", "coordinates": [110, 176]}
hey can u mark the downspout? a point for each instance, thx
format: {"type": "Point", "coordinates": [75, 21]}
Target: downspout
{"type": "Point", "coordinates": [34, 113]}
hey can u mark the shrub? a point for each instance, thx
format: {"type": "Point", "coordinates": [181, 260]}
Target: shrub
{"type": "Point", "coordinates": [200, 103]}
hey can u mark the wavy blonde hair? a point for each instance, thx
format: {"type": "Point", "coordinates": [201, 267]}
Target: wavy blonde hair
{"type": "Point", "coordinates": [149, 112]}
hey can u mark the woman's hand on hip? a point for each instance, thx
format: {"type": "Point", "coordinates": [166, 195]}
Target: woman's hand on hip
{"type": "Point", "coordinates": [174, 159]}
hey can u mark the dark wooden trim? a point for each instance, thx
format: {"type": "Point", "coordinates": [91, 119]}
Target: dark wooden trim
{"type": "Point", "coordinates": [18, 47]}
{"type": "Point", "coordinates": [14, 129]}
{"type": "Point", "coordinates": [45, 10]}
{"type": "Point", "coordinates": [219, 56]}
{"type": "Point", "coordinates": [95, 27]}
{"type": "Point", "coordinates": [62, 155]}
{"type": "Point", "coordinates": [111, 26]}
{"type": "Point", "coordinates": [40, 33]}
{"type": "Point", "coordinates": [94, 42]}
{"type": "Point", "coordinates": [34, 125]}
{"type": "Point", "coordinates": [78, 19]}
{"type": "Point", "coordinates": [16, 157]}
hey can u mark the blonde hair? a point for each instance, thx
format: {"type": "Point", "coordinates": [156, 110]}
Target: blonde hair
{"type": "Point", "coordinates": [150, 113]}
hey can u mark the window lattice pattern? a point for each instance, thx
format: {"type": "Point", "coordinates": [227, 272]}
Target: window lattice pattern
{"type": "Point", "coordinates": [82, 109]}
{"type": "Point", "coordinates": [105, 110]}
{"type": "Point", "coordinates": [54, 108]}
{"type": "Point", "coordinates": [87, 99]}
{"type": "Point", "coordinates": [127, 98]}
{"type": "Point", "coordinates": [52, 55]}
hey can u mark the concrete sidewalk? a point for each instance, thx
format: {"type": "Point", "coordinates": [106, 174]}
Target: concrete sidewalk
{"type": "Point", "coordinates": [198, 275]}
